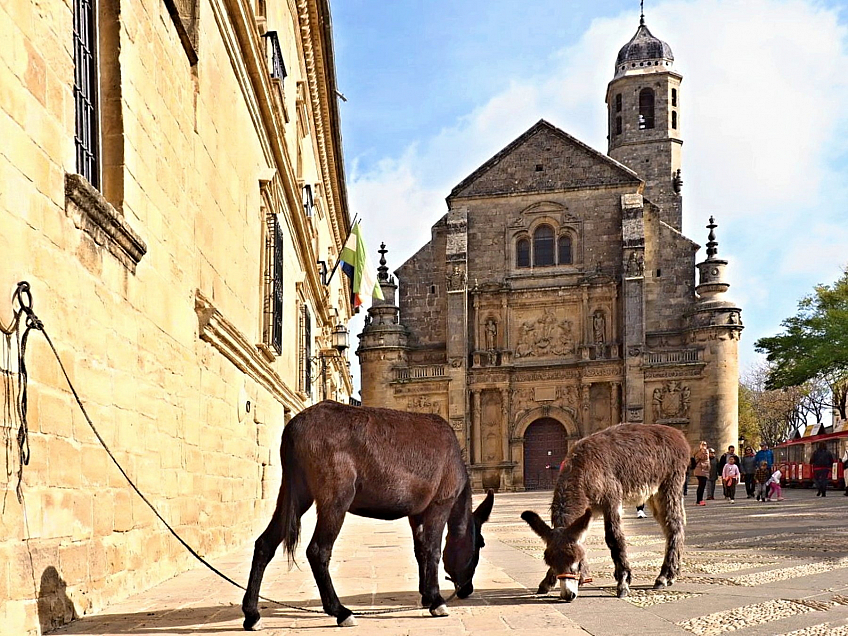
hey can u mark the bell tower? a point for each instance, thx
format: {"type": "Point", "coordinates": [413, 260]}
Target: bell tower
{"type": "Point", "coordinates": [644, 122]}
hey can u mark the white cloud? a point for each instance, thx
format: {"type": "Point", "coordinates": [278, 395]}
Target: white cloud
{"type": "Point", "coordinates": [763, 116]}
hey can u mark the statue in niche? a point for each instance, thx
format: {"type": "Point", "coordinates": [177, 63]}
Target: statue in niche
{"type": "Point", "coordinates": [657, 404]}
{"type": "Point", "coordinates": [456, 279]}
{"type": "Point", "coordinates": [599, 327]}
{"type": "Point", "coordinates": [732, 319]}
{"type": "Point", "coordinates": [635, 265]}
{"type": "Point", "coordinates": [491, 334]}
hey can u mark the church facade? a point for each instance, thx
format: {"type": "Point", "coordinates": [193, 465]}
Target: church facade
{"type": "Point", "coordinates": [557, 295]}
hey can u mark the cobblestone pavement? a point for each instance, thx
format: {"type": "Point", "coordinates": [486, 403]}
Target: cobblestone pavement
{"type": "Point", "coordinates": [752, 568]}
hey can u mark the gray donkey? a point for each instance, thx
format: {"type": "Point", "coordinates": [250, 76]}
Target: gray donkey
{"type": "Point", "coordinates": [622, 464]}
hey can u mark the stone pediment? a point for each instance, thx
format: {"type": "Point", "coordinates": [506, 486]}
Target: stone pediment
{"type": "Point", "coordinates": [544, 159]}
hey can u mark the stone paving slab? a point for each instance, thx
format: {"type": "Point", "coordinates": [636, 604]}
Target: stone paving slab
{"type": "Point", "coordinates": [751, 568]}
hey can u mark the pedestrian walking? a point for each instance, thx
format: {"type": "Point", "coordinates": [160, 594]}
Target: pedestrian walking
{"type": "Point", "coordinates": [701, 470]}
{"type": "Point", "coordinates": [722, 462]}
{"type": "Point", "coordinates": [774, 483]}
{"type": "Point", "coordinates": [711, 480]}
{"type": "Point", "coordinates": [765, 454]}
{"type": "Point", "coordinates": [748, 467]}
{"type": "Point", "coordinates": [730, 477]}
{"type": "Point", "coordinates": [761, 479]}
{"type": "Point", "coordinates": [845, 470]}
{"type": "Point", "coordinates": [822, 463]}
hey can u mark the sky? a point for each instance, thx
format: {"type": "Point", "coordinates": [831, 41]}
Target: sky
{"type": "Point", "coordinates": [435, 88]}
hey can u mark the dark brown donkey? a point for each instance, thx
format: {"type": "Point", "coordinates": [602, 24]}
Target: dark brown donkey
{"type": "Point", "coordinates": [373, 463]}
{"type": "Point", "coordinates": [623, 464]}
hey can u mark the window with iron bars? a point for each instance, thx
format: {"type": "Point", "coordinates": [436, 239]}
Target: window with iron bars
{"type": "Point", "coordinates": [273, 305]}
{"type": "Point", "coordinates": [308, 201]}
{"type": "Point", "coordinates": [307, 351]}
{"type": "Point", "coordinates": [276, 64]}
{"type": "Point", "coordinates": [86, 107]}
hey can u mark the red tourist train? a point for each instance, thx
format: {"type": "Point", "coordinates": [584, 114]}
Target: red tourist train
{"type": "Point", "coordinates": [793, 458]}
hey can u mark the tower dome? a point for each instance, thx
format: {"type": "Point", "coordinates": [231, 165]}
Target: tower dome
{"type": "Point", "coordinates": [642, 52]}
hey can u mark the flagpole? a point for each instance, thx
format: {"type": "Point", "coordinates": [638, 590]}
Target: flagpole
{"type": "Point", "coordinates": [339, 260]}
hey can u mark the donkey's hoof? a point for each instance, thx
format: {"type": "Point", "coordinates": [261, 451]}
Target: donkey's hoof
{"type": "Point", "coordinates": [350, 621]}
{"type": "Point", "coordinates": [543, 589]}
{"type": "Point", "coordinates": [441, 610]}
{"type": "Point", "coordinates": [252, 623]}
{"type": "Point", "coordinates": [623, 591]}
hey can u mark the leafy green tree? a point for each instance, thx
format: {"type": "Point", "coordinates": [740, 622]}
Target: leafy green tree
{"type": "Point", "coordinates": [814, 344]}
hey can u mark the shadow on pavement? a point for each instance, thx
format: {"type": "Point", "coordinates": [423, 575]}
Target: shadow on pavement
{"type": "Point", "coordinates": [211, 619]}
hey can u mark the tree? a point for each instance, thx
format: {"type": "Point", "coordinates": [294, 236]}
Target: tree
{"type": "Point", "coordinates": [775, 415]}
{"type": "Point", "coordinates": [814, 344]}
{"type": "Point", "coordinates": [749, 426]}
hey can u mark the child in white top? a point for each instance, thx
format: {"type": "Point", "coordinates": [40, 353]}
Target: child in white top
{"type": "Point", "coordinates": [774, 482]}
{"type": "Point", "coordinates": [730, 476]}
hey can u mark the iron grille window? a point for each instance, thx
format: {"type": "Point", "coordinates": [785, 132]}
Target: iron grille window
{"type": "Point", "coordinates": [543, 246]}
{"type": "Point", "coordinates": [564, 250]}
{"type": "Point", "coordinates": [308, 200]}
{"type": "Point", "coordinates": [307, 350]}
{"type": "Point", "coordinates": [275, 56]}
{"type": "Point", "coordinates": [86, 131]}
{"type": "Point", "coordinates": [273, 335]}
{"type": "Point", "coordinates": [522, 253]}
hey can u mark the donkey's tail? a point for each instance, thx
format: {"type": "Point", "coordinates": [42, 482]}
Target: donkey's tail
{"type": "Point", "coordinates": [294, 498]}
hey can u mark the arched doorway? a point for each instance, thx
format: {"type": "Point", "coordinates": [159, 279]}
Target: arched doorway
{"type": "Point", "coordinates": [545, 446]}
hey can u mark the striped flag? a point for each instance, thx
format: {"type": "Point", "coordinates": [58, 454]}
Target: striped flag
{"type": "Point", "coordinates": [357, 266]}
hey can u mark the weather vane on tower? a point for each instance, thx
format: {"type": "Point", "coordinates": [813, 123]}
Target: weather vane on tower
{"type": "Point", "coordinates": [642, 12]}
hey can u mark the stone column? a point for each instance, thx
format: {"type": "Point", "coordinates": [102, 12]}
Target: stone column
{"type": "Point", "coordinates": [506, 423]}
{"type": "Point", "coordinates": [633, 240]}
{"type": "Point", "coordinates": [457, 346]}
{"type": "Point", "coordinates": [477, 436]}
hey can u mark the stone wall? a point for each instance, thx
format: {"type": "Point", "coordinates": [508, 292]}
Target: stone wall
{"type": "Point", "coordinates": [154, 292]}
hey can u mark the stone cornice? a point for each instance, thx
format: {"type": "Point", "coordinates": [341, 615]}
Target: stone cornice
{"type": "Point", "coordinates": [236, 23]}
{"type": "Point", "coordinates": [92, 213]}
{"type": "Point", "coordinates": [316, 31]}
{"type": "Point", "coordinates": [224, 336]}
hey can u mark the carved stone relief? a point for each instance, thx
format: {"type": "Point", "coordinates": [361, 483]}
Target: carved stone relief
{"type": "Point", "coordinates": [546, 335]}
{"type": "Point", "coordinates": [671, 401]}
{"type": "Point", "coordinates": [424, 404]}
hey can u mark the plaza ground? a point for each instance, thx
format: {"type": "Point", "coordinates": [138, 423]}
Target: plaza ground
{"type": "Point", "coordinates": [752, 568]}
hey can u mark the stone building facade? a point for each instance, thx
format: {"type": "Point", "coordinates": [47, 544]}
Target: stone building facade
{"type": "Point", "coordinates": [171, 186]}
{"type": "Point", "coordinates": [557, 295]}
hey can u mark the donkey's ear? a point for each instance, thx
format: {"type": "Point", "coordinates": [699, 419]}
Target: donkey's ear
{"type": "Point", "coordinates": [537, 525]}
{"type": "Point", "coordinates": [481, 515]}
{"type": "Point", "coordinates": [580, 526]}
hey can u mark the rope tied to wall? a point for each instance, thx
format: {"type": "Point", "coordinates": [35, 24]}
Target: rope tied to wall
{"type": "Point", "coordinates": [21, 307]}
{"type": "Point", "coordinates": [22, 297]}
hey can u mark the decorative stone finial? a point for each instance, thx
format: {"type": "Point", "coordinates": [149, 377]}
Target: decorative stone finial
{"type": "Point", "coordinates": [382, 271]}
{"type": "Point", "coordinates": [642, 12]}
{"type": "Point", "coordinates": [712, 244]}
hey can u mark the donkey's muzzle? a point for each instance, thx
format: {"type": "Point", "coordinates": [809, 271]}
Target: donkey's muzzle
{"type": "Point", "coordinates": [568, 588]}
